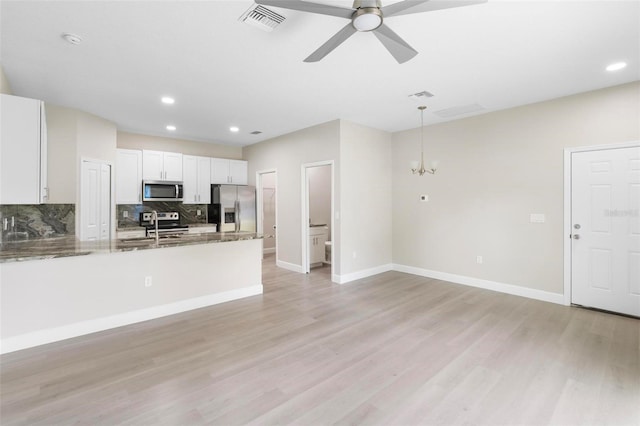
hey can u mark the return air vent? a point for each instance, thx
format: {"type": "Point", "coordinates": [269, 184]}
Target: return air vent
{"type": "Point", "coordinates": [262, 18]}
{"type": "Point", "coordinates": [459, 110]}
{"type": "Point", "coordinates": [421, 95]}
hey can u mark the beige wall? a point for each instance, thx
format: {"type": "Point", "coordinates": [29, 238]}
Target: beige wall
{"type": "Point", "coordinates": [496, 169]}
{"type": "Point", "coordinates": [5, 87]}
{"type": "Point", "coordinates": [365, 197]}
{"type": "Point", "coordinates": [362, 191]}
{"type": "Point", "coordinates": [287, 153]}
{"type": "Point", "coordinates": [71, 136]}
{"type": "Point", "coordinates": [137, 141]}
{"type": "Point", "coordinates": [62, 157]}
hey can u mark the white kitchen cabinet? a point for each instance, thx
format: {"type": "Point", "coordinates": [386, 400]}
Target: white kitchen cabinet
{"type": "Point", "coordinates": [159, 165]}
{"type": "Point", "coordinates": [128, 176]}
{"type": "Point", "coordinates": [238, 172]}
{"type": "Point", "coordinates": [23, 151]}
{"type": "Point", "coordinates": [196, 178]}
{"type": "Point", "coordinates": [225, 171]}
{"type": "Point", "coordinates": [317, 237]}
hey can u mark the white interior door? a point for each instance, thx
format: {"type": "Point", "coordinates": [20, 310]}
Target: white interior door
{"type": "Point", "coordinates": [95, 202]}
{"type": "Point", "coordinates": [605, 220]}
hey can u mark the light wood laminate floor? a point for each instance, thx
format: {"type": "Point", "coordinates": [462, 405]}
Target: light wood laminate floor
{"type": "Point", "coordinates": [393, 349]}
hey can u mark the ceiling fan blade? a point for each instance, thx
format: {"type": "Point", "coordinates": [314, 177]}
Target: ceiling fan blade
{"type": "Point", "coordinates": [335, 41]}
{"type": "Point", "coordinates": [396, 8]}
{"type": "Point", "coordinates": [398, 48]}
{"type": "Point", "coordinates": [305, 6]}
{"type": "Point", "coordinates": [419, 6]}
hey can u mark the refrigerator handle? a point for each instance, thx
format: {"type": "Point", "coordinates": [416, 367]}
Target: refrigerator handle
{"type": "Point", "coordinates": [237, 206]}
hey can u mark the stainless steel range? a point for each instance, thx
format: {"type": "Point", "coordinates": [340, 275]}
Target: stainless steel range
{"type": "Point", "coordinates": [168, 223]}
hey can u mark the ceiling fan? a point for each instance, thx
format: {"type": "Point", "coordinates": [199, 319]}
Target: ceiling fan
{"type": "Point", "coordinates": [368, 15]}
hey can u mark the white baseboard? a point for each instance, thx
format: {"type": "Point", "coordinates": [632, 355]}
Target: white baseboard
{"type": "Point", "coordinates": [343, 279]}
{"type": "Point", "coordinates": [269, 250]}
{"type": "Point", "coordinates": [42, 337]}
{"type": "Point", "coordinates": [485, 284]}
{"type": "Point", "coordinates": [289, 266]}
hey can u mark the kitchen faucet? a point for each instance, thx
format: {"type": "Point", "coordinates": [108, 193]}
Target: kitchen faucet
{"type": "Point", "coordinates": [154, 218]}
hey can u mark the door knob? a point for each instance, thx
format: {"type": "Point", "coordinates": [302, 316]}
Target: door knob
{"type": "Point", "coordinates": [576, 236]}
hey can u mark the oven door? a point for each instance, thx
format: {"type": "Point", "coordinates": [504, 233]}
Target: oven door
{"type": "Point", "coordinates": [161, 191]}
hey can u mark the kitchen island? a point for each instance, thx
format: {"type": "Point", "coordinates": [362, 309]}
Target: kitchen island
{"type": "Point", "coordinates": [61, 288]}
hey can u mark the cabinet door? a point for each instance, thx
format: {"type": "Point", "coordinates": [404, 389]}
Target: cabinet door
{"type": "Point", "coordinates": [316, 251]}
{"type": "Point", "coordinates": [172, 166]}
{"type": "Point", "coordinates": [204, 180]}
{"type": "Point", "coordinates": [238, 172]}
{"type": "Point", "coordinates": [128, 176]}
{"type": "Point", "coordinates": [190, 179]}
{"type": "Point", "coordinates": [19, 150]}
{"type": "Point", "coordinates": [219, 171]}
{"type": "Point", "coordinates": [152, 165]}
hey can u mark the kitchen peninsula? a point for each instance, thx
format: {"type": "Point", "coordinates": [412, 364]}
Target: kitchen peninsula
{"type": "Point", "coordinates": [55, 289]}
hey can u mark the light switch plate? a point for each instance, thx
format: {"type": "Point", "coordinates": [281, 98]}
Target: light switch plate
{"type": "Point", "coordinates": [536, 218]}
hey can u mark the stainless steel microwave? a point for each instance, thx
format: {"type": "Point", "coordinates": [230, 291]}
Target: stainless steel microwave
{"type": "Point", "coordinates": [160, 190]}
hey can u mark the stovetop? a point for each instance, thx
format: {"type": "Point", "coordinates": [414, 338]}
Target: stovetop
{"type": "Point", "coordinates": [168, 222]}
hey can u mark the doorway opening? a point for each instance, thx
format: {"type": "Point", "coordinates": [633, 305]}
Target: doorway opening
{"type": "Point", "coordinates": [266, 200]}
{"type": "Point", "coordinates": [317, 218]}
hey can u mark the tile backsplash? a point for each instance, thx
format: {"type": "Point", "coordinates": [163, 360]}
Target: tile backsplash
{"type": "Point", "coordinates": [188, 212]}
{"type": "Point", "coordinates": [35, 221]}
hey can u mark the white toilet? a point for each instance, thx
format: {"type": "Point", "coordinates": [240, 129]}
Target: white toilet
{"type": "Point", "coordinates": [327, 252]}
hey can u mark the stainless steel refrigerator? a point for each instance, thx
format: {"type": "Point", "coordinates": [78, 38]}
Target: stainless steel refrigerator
{"type": "Point", "coordinates": [233, 208]}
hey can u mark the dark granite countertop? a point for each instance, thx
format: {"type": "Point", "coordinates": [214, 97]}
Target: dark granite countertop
{"type": "Point", "coordinates": [51, 248]}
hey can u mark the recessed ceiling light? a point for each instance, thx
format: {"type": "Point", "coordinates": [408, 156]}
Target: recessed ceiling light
{"type": "Point", "coordinates": [171, 128]}
{"type": "Point", "coordinates": [617, 66]}
{"type": "Point", "coordinates": [72, 38]}
{"type": "Point", "coordinates": [168, 100]}
{"type": "Point", "coordinates": [234, 129]}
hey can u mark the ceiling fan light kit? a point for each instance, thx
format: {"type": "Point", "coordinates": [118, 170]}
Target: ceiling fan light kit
{"type": "Point", "coordinates": [366, 16]}
{"type": "Point", "coordinates": [366, 19]}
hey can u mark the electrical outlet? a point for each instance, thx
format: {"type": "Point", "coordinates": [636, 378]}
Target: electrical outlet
{"type": "Point", "coordinates": [148, 281]}
{"type": "Point", "coordinates": [478, 259]}
{"type": "Point", "coordinates": [125, 214]}
{"type": "Point", "coordinates": [198, 212]}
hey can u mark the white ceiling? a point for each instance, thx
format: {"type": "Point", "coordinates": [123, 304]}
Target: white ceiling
{"type": "Point", "coordinates": [223, 72]}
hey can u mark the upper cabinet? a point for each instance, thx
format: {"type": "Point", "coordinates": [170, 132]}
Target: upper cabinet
{"type": "Point", "coordinates": [128, 176]}
{"type": "Point", "coordinates": [197, 184]}
{"type": "Point", "coordinates": [23, 151]}
{"type": "Point", "coordinates": [159, 165]}
{"type": "Point", "coordinates": [224, 171]}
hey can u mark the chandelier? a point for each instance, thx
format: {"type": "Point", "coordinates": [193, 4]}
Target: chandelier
{"type": "Point", "coordinates": [419, 167]}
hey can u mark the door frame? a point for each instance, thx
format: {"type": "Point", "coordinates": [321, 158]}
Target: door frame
{"type": "Point", "coordinates": [112, 196]}
{"type": "Point", "coordinates": [304, 184]}
{"type": "Point", "coordinates": [567, 205]}
{"type": "Point", "coordinates": [260, 206]}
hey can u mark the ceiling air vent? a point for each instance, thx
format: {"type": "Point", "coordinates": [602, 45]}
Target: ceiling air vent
{"type": "Point", "coordinates": [459, 110]}
{"type": "Point", "coordinates": [421, 95]}
{"type": "Point", "coordinates": [256, 132]}
{"type": "Point", "coordinates": [261, 17]}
